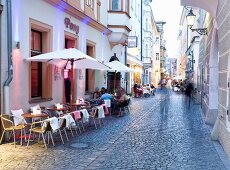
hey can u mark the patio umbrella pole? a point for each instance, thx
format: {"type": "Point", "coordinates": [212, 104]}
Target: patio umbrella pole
{"type": "Point", "coordinates": [72, 88]}
{"type": "Point", "coordinates": [114, 81]}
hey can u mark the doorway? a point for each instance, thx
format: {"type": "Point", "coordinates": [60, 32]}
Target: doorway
{"type": "Point", "coordinates": [90, 73]}
{"type": "Point", "coordinates": [70, 42]}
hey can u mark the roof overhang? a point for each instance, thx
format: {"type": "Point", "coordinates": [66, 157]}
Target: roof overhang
{"type": "Point", "coordinates": [208, 5]}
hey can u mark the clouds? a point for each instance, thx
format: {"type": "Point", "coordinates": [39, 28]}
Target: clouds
{"type": "Point", "coordinates": [170, 12]}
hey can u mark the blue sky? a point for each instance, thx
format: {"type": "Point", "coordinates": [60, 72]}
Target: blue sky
{"type": "Point", "coordinates": [170, 12]}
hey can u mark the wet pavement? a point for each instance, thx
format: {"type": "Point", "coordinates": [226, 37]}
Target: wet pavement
{"type": "Point", "coordinates": [161, 132]}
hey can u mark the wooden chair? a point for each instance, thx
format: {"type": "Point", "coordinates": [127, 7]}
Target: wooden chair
{"type": "Point", "coordinates": [8, 125]}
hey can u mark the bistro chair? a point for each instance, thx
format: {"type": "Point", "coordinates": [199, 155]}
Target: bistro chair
{"type": "Point", "coordinates": [123, 107]}
{"type": "Point", "coordinates": [62, 124]}
{"type": "Point", "coordinates": [97, 113]}
{"type": "Point", "coordinates": [108, 105]}
{"type": "Point", "coordinates": [43, 129]}
{"type": "Point", "coordinates": [8, 125]}
{"type": "Point", "coordinates": [77, 117]}
{"type": "Point", "coordinates": [70, 122]}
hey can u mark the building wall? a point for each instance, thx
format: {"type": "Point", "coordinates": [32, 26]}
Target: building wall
{"type": "Point", "coordinates": [148, 40]}
{"type": "Point", "coordinates": [23, 11]}
{"type": "Point", "coordinates": [134, 54]}
{"type": "Point", "coordinates": [223, 20]}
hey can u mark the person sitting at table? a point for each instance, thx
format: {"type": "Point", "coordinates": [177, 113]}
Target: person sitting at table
{"type": "Point", "coordinates": [121, 102]}
{"type": "Point", "coordinates": [102, 90]}
{"type": "Point", "coordinates": [106, 95]}
{"type": "Point", "coordinates": [138, 90]}
{"type": "Point", "coordinates": [96, 93]}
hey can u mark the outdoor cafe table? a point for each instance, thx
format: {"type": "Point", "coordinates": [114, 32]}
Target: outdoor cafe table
{"type": "Point", "coordinates": [63, 110]}
{"type": "Point", "coordinates": [34, 116]}
{"type": "Point", "coordinates": [78, 105]}
{"type": "Point", "coordinates": [30, 115]}
{"type": "Point", "coordinates": [57, 109]}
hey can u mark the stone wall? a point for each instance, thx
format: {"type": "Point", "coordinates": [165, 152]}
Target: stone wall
{"type": "Point", "coordinates": [223, 22]}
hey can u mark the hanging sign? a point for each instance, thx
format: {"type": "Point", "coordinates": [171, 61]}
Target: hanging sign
{"type": "Point", "coordinates": [132, 41]}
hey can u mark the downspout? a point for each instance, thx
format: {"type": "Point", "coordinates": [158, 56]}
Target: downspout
{"type": "Point", "coordinates": [9, 53]}
{"type": "Point", "coordinates": [1, 51]}
{"type": "Point", "coordinates": [141, 27]}
{"type": "Point", "coordinates": [141, 36]}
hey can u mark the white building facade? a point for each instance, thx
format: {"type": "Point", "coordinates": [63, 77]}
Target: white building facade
{"type": "Point", "coordinates": [149, 38]}
{"type": "Point", "coordinates": [61, 24]}
{"type": "Point", "coordinates": [134, 58]}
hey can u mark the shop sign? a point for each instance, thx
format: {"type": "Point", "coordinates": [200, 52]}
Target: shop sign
{"type": "Point", "coordinates": [71, 26]}
{"type": "Point", "coordinates": [57, 73]}
{"type": "Point", "coordinates": [132, 41]}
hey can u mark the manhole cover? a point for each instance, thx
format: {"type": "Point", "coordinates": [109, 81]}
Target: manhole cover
{"type": "Point", "coordinates": [79, 145]}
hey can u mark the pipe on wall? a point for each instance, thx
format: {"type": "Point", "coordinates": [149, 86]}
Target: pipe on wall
{"type": "Point", "coordinates": [9, 54]}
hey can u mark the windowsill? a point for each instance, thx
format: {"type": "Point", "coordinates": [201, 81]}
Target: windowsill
{"type": "Point", "coordinates": [119, 12]}
{"type": "Point", "coordinates": [39, 100]}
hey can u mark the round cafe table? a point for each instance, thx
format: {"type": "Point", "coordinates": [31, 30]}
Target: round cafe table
{"type": "Point", "coordinates": [79, 105]}
{"type": "Point", "coordinates": [31, 115]}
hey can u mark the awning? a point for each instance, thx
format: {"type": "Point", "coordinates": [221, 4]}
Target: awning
{"type": "Point", "coordinates": [208, 5]}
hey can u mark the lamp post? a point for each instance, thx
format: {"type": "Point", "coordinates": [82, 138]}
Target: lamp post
{"type": "Point", "coordinates": [126, 76]}
{"type": "Point", "coordinates": [191, 62]}
{"type": "Point", "coordinates": [190, 17]}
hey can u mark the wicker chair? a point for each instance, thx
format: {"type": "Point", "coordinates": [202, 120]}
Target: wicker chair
{"type": "Point", "coordinates": [43, 128]}
{"type": "Point", "coordinates": [8, 125]}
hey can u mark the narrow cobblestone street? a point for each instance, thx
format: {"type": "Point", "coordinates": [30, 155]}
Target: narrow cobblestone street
{"type": "Point", "coordinates": [159, 133]}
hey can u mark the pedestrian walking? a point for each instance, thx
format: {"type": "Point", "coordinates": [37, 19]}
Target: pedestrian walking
{"type": "Point", "coordinates": [188, 93]}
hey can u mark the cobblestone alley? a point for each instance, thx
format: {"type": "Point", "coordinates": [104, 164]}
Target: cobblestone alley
{"type": "Point", "coordinates": [159, 133]}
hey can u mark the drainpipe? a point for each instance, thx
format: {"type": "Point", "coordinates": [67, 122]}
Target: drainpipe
{"type": "Point", "coordinates": [9, 53]}
{"type": "Point", "coordinates": [141, 27]}
{"type": "Point", "coordinates": [0, 52]}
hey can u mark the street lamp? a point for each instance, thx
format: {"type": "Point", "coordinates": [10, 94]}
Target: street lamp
{"type": "Point", "coordinates": [190, 21]}
{"type": "Point", "coordinates": [126, 76]}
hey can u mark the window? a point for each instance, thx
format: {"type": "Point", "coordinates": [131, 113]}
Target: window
{"type": "Point", "coordinates": [146, 50]}
{"type": "Point", "coordinates": [135, 7]}
{"type": "Point", "coordinates": [126, 6]}
{"type": "Point", "coordinates": [157, 40]}
{"type": "Point", "coordinates": [98, 10]}
{"type": "Point", "coordinates": [146, 24]}
{"type": "Point", "coordinates": [36, 67]}
{"type": "Point", "coordinates": [90, 73]}
{"type": "Point", "coordinates": [40, 75]}
{"type": "Point", "coordinates": [116, 5]}
{"type": "Point", "coordinates": [89, 3]}
{"type": "Point", "coordinates": [157, 56]}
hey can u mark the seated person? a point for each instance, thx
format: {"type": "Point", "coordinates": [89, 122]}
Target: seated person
{"type": "Point", "coordinates": [152, 89]}
{"type": "Point", "coordinates": [106, 95]}
{"type": "Point", "coordinates": [139, 91]}
{"type": "Point", "coordinates": [122, 101]}
{"type": "Point", "coordinates": [102, 90]}
{"type": "Point", "coordinates": [146, 90]}
{"type": "Point", "coordinates": [96, 93]}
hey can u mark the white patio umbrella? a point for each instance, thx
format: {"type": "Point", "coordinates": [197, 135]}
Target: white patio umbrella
{"type": "Point", "coordinates": [71, 58]}
{"type": "Point", "coordinates": [117, 66]}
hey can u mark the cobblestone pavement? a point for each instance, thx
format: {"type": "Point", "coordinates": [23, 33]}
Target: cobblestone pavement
{"type": "Point", "coordinates": [159, 133]}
